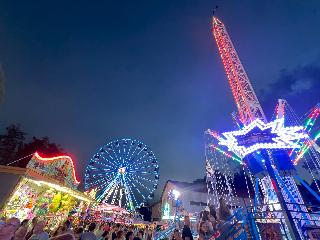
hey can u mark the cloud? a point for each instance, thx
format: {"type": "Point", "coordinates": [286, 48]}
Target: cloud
{"type": "Point", "coordinates": [300, 79]}
{"type": "Point", "coordinates": [302, 82]}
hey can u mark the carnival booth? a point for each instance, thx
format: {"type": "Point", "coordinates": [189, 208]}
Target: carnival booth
{"type": "Point", "coordinates": [47, 188]}
{"type": "Point", "coordinates": [110, 213]}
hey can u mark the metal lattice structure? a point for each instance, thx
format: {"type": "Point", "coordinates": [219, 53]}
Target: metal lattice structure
{"type": "Point", "coordinates": [246, 100]}
{"type": "Point", "coordinates": [269, 165]}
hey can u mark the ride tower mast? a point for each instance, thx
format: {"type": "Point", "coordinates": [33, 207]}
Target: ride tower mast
{"type": "Point", "coordinates": [245, 98]}
{"type": "Point", "coordinates": [249, 110]}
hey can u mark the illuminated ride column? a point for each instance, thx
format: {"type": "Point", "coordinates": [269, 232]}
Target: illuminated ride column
{"type": "Point", "coordinates": [262, 146]}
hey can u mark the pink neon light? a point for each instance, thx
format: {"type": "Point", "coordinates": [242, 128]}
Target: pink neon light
{"type": "Point", "coordinates": [51, 159]}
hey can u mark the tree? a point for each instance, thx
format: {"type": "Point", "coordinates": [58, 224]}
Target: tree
{"type": "Point", "coordinates": [13, 146]}
{"type": "Point", "coordinates": [40, 145]}
{"type": "Point", "coordinates": [10, 143]}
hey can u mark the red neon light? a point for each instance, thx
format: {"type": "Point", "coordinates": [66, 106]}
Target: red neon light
{"type": "Point", "coordinates": [274, 185]}
{"type": "Point", "coordinates": [230, 70]}
{"type": "Point", "coordinates": [52, 159]}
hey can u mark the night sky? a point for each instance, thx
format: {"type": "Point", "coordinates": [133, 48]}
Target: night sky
{"type": "Point", "coordinates": [84, 73]}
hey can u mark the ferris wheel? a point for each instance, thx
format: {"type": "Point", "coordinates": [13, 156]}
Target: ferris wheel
{"type": "Point", "coordinates": [124, 172]}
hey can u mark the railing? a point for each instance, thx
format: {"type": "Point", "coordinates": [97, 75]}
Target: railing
{"type": "Point", "coordinates": [165, 233]}
{"type": "Point", "coordinates": [243, 224]}
{"type": "Point", "coordinates": [234, 227]}
{"type": "Point", "coordinates": [304, 216]}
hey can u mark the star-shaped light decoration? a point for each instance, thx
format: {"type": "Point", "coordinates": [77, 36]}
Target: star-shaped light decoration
{"type": "Point", "coordinates": [259, 135]}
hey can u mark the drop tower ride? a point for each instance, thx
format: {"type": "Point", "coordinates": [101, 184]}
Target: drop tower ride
{"type": "Point", "coordinates": [265, 148]}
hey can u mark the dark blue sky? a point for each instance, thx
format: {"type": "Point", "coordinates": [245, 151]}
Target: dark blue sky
{"type": "Point", "coordinates": [87, 72]}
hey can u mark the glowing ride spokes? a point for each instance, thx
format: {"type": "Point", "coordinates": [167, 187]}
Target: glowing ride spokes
{"type": "Point", "coordinates": [257, 134]}
{"type": "Point", "coordinates": [286, 137]}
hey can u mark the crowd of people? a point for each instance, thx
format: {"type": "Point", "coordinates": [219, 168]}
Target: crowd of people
{"type": "Point", "coordinates": [212, 224]}
{"type": "Point", "coordinates": [13, 229]}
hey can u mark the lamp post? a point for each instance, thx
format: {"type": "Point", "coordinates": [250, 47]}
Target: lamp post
{"type": "Point", "coordinates": [174, 196]}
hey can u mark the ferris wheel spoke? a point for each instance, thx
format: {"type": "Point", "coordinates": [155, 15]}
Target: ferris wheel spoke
{"type": "Point", "coordinates": [114, 193]}
{"type": "Point", "coordinates": [126, 149]}
{"type": "Point", "coordinates": [148, 159]}
{"type": "Point", "coordinates": [109, 194]}
{"type": "Point", "coordinates": [94, 184]}
{"type": "Point", "coordinates": [140, 148]}
{"type": "Point", "coordinates": [137, 189]}
{"type": "Point", "coordinates": [131, 194]}
{"type": "Point", "coordinates": [103, 176]}
{"type": "Point", "coordinates": [137, 164]}
{"type": "Point", "coordinates": [145, 179]}
{"type": "Point", "coordinates": [110, 153]}
{"type": "Point", "coordinates": [143, 184]}
{"type": "Point", "coordinates": [113, 182]}
{"type": "Point", "coordinates": [103, 186]}
{"type": "Point", "coordinates": [137, 160]}
{"type": "Point", "coordinates": [118, 158]}
{"type": "Point", "coordinates": [106, 170]}
{"type": "Point", "coordinates": [95, 160]}
{"type": "Point", "coordinates": [131, 147]}
{"type": "Point", "coordinates": [138, 174]}
{"type": "Point", "coordinates": [144, 172]}
{"type": "Point", "coordinates": [108, 160]}
{"type": "Point", "coordinates": [129, 201]}
{"type": "Point", "coordinates": [150, 167]}
{"type": "Point", "coordinates": [132, 156]}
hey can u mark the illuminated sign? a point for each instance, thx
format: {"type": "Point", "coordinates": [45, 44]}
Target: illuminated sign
{"type": "Point", "coordinates": [259, 135]}
{"type": "Point", "coordinates": [60, 169]}
{"type": "Point", "coordinates": [166, 211]}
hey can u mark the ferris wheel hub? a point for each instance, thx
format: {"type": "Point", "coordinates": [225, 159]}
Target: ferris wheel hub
{"type": "Point", "coordinates": [122, 170]}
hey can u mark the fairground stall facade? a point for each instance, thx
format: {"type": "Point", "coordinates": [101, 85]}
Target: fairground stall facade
{"type": "Point", "coordinates": [46, 188]}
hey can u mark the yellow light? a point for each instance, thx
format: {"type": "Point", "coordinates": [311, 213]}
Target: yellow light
{"type": "Point", "coordinates": [60, 188]}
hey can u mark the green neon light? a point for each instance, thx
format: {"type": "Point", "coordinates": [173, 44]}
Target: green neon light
{"type": "Point", "coordinates": [234, 157]}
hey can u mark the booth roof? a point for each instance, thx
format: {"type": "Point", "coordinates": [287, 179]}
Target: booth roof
{"type": "Point", "coordinates": [39, 179]}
